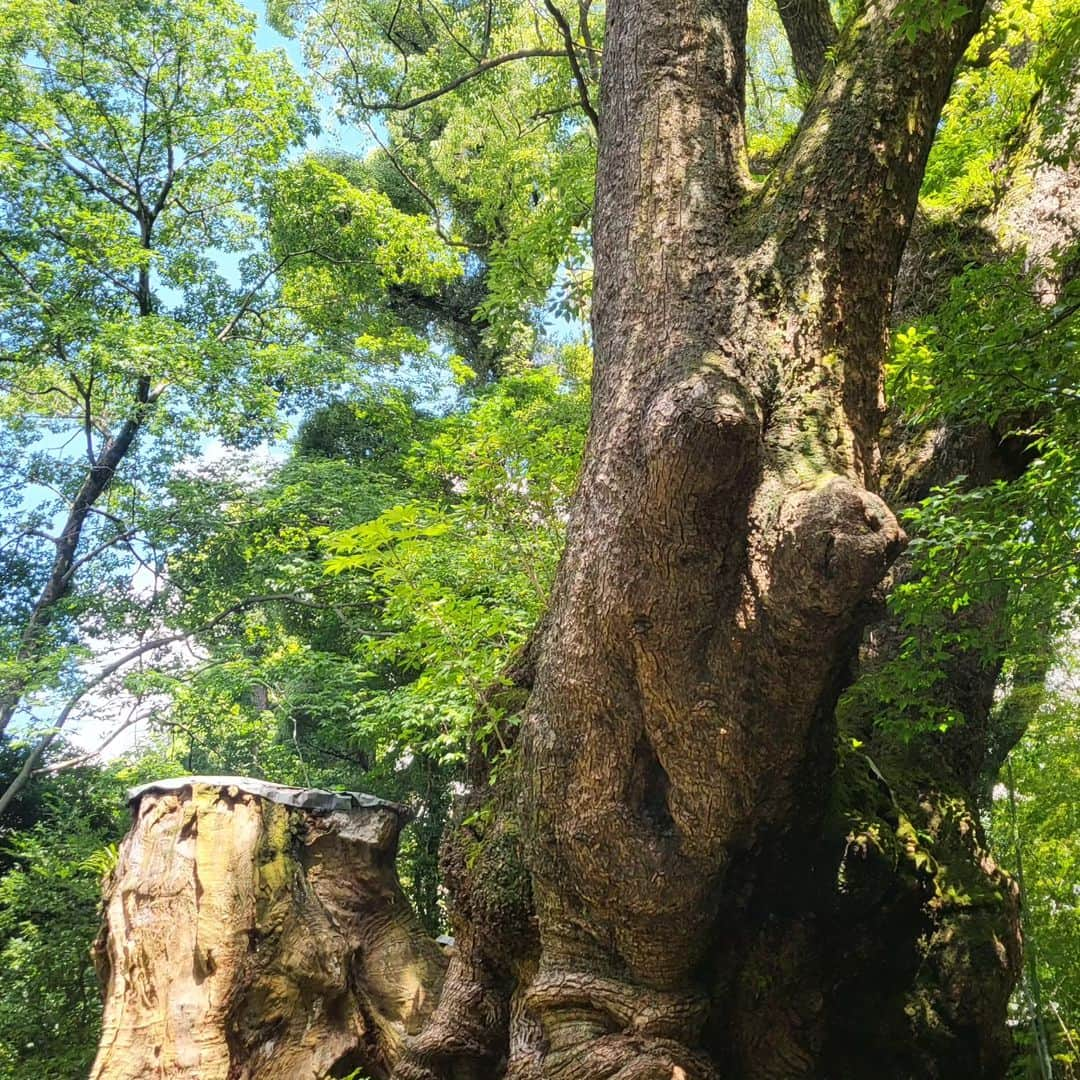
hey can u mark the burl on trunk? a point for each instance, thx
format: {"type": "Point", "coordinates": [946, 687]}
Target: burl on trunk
{"type": "Point", "coordinates": [258, 932]}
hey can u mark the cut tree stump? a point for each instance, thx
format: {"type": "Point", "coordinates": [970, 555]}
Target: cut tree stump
{"type": "Point", "coordinates": [259, 932]}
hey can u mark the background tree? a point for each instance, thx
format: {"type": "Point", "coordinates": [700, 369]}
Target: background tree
{"type": "Point", "coordinates": [138, 142]}
{"type": "Point", "coordinates": [486, 114]}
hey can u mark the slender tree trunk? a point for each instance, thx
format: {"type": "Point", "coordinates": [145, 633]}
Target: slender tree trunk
{"type": "Point", "coordinates": [255, 931]}
{"type": "Point", "coordinates": [98, 478]}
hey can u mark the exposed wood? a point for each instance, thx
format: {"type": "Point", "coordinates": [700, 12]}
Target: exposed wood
{"type": "Point", "coordinates": [249, 937]}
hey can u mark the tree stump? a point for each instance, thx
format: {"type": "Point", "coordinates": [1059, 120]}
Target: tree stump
{"type": "Point", "coordinates": [256, 932]}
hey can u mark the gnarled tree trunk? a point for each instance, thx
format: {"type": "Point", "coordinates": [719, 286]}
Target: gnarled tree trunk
{"type": "Point", "coordinates": [674, 769]}
{"type": "Point", "coordinates": [257, 931]}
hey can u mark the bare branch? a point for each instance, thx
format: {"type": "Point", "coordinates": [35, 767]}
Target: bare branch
{"type": "Point", "coordinates": [592, 53]}
{"type": "Point", "coordinates": [104, 546]}
{"type": "Point", "coordinates": [84, 759]}
{"type": "Point", "coordinates": [448, 27]}
{"type": "Point", "coordinates": [61, 156]}
{"type": "Point", "coordinates": [28, 282]}
{"type": "Point", "coordinates": [85, 392]}
{"type": "Point", "coordinates": [575, 66]}
{"type": "Point", "coordinates": [400, 170]}
{"type": "Point", "coordinates": [480, 69]}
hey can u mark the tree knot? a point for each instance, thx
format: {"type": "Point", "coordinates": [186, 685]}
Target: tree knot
{"type": "Point", "coordinates": [835, 544]}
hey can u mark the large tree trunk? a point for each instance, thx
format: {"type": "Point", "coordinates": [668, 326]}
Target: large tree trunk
{"type": "Point", "coordinates": [256, 931]}
{"type": "Point", "coordinates": [675, 761]}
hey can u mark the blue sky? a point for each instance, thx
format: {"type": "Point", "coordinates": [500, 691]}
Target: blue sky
{"type": "Point", "coordinates": [334, 136]}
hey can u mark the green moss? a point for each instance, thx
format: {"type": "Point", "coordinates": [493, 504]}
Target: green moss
{"type": "Point", "coordinates": [501, 881]}
{"type": "Point", "coordinates": [275, 860]}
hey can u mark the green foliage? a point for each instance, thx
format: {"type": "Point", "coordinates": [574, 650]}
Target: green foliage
{"type": "Point", "coordinates": [278, 693]}
{"type": "Point", "coordinates": [990, 358]}
{"type": "Point", "coordinates": [441, 574]}
{"type": "Point", "coordinates": [460, 576]}
{"type": "Point", "coordinates": [991, 99]}
{"type": "Point", "coordinates": [506, 160]}
{"type": "Point", "coordinates": [929, 16]}
{"type": "Point", "coordinates": [134, 139]}
{"type": "Point", "coordinates": [1046, 773]}
{"type": "Point", "coordinates": [50, 884]}
{"type": "Point", "coordinates": [341, 248]}
{"type": "Point", "coordinates": [773, 97]}
{"type": "Point", "coordinates": [144, 306]}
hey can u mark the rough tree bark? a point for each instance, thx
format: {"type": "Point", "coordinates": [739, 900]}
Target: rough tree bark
{"type": "Point", "coordinates": [810, 32]}
{"type": "Point", "coordinates": [673, 773]}
{"type": "Point", "coordinates": [928, 922]}
{"type": "Point", "coordinates": [256, 932]}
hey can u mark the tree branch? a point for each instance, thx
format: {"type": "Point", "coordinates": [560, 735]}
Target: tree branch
{"type": "Point", "coordinates": [119, 538]}
{"type": "Point", "coordinates": [33, 759]}
{"type": "Point", "coordinates": [249, 298]}
{"type": "Point", "coordinates": [811, 32]}
{"type": "Point", "coordinates": [853, 171]}
{"type": "Point", "coordinates": [480, 69]}
{"type": "Point", "coordinates": [592, 54]}
{"type": "Point", "coordinates": [61, 156]}
{"type": "Point", "coordinates": [97, 480]}
{"type": "Point", "coordinates": [575, 66]}
{"type": "Point", "coordinates": [85, 392]}
{"type": "Point", "coordinates": [28, 282]}
{"type": "Point", "coordinates": [400, 170]}
{"type": "Point", "coordinates": [90, 755]}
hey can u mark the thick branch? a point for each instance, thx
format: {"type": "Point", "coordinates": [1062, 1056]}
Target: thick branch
{"type": "Point", "coordinates": [810, 32]}
{"type": "Point", "coordinates": [841, 202]}
{"type": "Point", "coordinates": [852, 175]}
